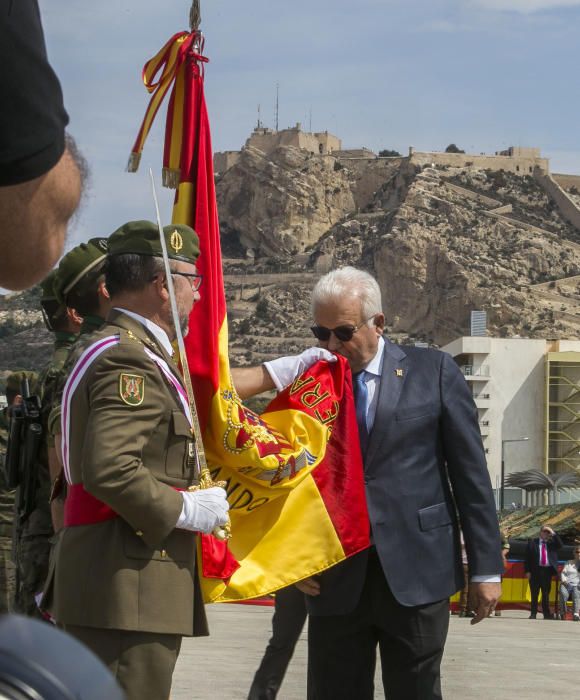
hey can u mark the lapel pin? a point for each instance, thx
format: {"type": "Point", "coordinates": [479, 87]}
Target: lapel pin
{"type": "Point", "coordinates": [399, 372]}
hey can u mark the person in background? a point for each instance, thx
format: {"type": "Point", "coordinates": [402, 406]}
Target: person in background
{"type": "Point", "coordinates": [41, 169]}
{"type": "Point", "coordinates": [7, 567]}
{"type": "Point", "coordinates": [80, 289]}
{"type": "Point", "coordinates": [570, 586]}
{"type": "Point", "coordinates": [505, 549]}
{"type": "Point", "coordinates": [540, 565]}
{"type": "Point", "coordinates": [287, 624]}
{"type": "Point", "coordinates": [34, 534]}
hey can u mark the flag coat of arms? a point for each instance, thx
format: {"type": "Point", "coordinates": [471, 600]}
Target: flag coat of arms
{"type": "Point", "coordinates": [294, 474]}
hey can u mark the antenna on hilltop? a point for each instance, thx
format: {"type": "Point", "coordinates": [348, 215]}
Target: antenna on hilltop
{"type": "Point", "coordinates": [259, 116]}
{"type": "Point", "coordinates": [277, 103]}
{"type": "Point", "coordinates": [310, 120]}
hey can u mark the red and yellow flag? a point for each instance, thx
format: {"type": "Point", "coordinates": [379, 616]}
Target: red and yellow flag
{"type": "Point", "coordinates": [294, 474]}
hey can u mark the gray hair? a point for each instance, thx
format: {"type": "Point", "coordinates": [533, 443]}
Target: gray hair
{"type": "Point", "coordinates": [348, 281]}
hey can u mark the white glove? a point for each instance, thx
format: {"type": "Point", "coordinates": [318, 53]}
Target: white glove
{"type": "Point", "coordinates": [203, 510]}
{"type": "Point", "coordinates": [284, 370]}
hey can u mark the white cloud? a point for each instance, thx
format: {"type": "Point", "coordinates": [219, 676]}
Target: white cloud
{"type": "Point", "coordinates": [526, 6]}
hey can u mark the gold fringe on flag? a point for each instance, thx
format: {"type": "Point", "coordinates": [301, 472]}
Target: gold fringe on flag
{"type": "Point", "coordinates": [133, 162]}
{"type": "Point", "coordinates": [170, 177]}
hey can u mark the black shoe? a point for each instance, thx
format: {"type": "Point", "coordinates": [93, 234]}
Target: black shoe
{"type": "Point", "coordinates": [532, 616]}
{"type": "Point", "coordinates": [548, 617]}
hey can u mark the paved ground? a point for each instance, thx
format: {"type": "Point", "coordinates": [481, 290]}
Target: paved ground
{"type": "Point", "coordinates": [504, 658]}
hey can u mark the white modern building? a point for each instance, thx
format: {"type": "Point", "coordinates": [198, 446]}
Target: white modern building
{"type": "Point", "coordinates": [527, 393]}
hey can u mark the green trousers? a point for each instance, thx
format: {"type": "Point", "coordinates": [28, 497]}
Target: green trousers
{"type": "Point", "coordinates": [142, 662]}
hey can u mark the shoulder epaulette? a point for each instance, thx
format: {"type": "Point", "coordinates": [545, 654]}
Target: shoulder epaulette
{"type": "Point", "coordinates": [128, 336]}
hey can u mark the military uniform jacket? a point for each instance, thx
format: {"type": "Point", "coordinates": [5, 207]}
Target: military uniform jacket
{"type": "Point", "coordinates": [128, 445]}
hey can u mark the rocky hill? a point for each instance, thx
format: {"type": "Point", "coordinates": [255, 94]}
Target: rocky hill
{"type": "Point", "coordinates": [24, 341]}
{"type": "Point", "coordinates": [442, 241]}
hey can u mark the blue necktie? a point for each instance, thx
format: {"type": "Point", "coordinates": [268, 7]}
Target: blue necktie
{"type": "Point", "coordinates": [361, 393]}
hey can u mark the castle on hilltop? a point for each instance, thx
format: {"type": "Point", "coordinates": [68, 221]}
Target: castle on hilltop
{"type": "Point", "coordinates": [517, 160]}
{"type": "Point", "coordinates": [267, 140]}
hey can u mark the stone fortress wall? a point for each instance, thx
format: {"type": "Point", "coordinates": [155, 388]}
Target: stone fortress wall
{"type": "Point", "coordinates": [567, 181]}
{"type": "Point", "coordinates": [567, 206]}
{"type": "Point", "coordinates": [520, 161]}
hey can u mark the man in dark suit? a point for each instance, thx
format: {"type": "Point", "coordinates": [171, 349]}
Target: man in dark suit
{"type": "Point", "coordinates": [540, 564]}
{"type": "Point", "coordinates": [425, 475]}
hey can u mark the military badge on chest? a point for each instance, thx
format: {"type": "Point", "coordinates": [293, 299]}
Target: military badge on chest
{"type": "Point", "coordinates": [132, 388]}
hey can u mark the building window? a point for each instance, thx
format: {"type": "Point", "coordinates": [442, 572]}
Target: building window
{"type": "Point", "coordinates": [518, 168]}
{"type": "Point", "coordinates": [320, 148]}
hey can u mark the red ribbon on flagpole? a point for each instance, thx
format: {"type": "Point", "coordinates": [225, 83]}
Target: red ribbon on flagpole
{"type": "Point", "coordinates": [177, 64]}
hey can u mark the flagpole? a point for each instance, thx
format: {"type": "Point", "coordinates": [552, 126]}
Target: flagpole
{"type": "Point", "coordinates": [201, 468]}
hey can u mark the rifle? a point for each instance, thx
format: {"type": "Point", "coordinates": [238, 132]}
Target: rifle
{"type": "Point", "coordinates": [22, 450]}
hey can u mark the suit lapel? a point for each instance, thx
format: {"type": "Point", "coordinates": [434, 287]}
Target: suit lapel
{"type": "Point", "coordinates": [393, 376]}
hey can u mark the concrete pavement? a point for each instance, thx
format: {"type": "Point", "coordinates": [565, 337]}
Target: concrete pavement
{"type": "Point", "coordinates": [503, 658]}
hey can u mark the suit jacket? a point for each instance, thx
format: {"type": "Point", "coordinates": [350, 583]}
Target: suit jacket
{"type": "Point", "coordinates": [135, 572]}
{"type": "Point", "coordinates": [425, 466]}
{"type": "Point", "coordinates": [532, 558]}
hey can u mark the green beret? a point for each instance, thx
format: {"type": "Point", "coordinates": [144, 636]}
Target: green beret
{"type": "Point", "coordinates": [142, 238]}
{"type": "Point", "coordinates": [47, 286]}
{"type": "Point", "coordinates": [76, 264]}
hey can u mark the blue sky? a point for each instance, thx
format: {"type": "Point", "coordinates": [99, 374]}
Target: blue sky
{"type": "Point", "coordinates": [484, 74]}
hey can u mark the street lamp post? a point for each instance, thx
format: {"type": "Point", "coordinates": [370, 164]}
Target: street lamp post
{"type": "Point", "coordinates": [502, 477]}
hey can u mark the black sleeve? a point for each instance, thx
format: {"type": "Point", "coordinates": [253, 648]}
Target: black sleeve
{"type": "Point", "coordinates": [32, 114]}
{"type": "Point", "coordinates": [529, 556]}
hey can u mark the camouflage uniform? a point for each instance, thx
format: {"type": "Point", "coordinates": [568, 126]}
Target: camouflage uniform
{"type": "Point", "coordinates": [90, 325]}
{"type": "Point", "coordinates": [7, 568]}
{"type": "Point", "coordinates": [35, 534]}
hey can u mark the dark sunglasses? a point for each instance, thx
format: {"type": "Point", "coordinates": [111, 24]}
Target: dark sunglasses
{"type": "Point", "coordinates": [342, 333]}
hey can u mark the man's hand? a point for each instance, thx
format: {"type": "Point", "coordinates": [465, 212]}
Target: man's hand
{"type": "Point", "coordinates": [310, 586]}
{"type": "Point", "coordinates": [284, 370]}
{"type": "Point", "coordinates": [483, 596]}
{"type": "Point", "coordinates": [204, 510]}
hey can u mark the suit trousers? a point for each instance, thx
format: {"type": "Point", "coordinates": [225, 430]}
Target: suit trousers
{"type": "Point", "coordinates": [541, 580]}
{"type": "Point", "coordinates": [287, 624]}
{"type": "Point", "coordinates": [342, 648]}
{"type": "Point", "coordinates": [142, 662]}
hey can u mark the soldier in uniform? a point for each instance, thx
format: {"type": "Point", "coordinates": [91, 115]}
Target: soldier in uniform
{"type": "Point", "coordinates": [80, 289]}
{"type": "Point", "coordinates": [33, 536]}
{"type": "Point", "coordinates": [125, 580]}
{"type": "Point", "coordinates": [7, 568]}
{"type": "Point", "coordinates": [8, 511]}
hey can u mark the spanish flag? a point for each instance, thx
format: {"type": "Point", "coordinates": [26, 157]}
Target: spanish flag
{"type": "Point", "coordinates": [294, 474]}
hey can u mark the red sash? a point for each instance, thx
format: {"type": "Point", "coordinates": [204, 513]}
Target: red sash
{"type": "Point", "coordinates": [81, 508]}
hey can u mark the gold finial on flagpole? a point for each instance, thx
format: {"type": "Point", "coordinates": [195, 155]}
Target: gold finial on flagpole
{"type": "Point", "coordinates": [195, 15]}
